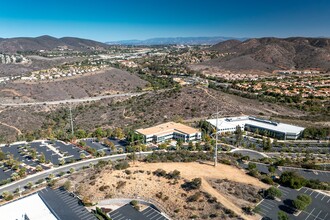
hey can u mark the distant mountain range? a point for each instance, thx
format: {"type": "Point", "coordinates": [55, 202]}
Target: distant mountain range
{"type": "Point", "coordinates": [46, 42]}
{"type": "Point", "coordinates": [175, 40]}
{"type": "Point", "coordinates": [268, 54]}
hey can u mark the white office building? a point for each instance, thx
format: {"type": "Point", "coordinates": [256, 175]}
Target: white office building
{"type": "Point", "coordinates": [249, 123]}
{"type": "Point", "coordinates": [169, 131]}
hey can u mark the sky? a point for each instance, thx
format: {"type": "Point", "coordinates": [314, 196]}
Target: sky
{"type": "Point", "coordinates": [111, 20]}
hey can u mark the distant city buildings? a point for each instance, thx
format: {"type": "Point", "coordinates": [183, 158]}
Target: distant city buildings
{"type": "Point", "coordinates": [168, 131]}
{"type": "Point", "coordinates": [253, 124]}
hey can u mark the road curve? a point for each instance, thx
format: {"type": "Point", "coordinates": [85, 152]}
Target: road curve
{"type": "Point", "coordinates": [41, 175]}
{"type": "Point", "coordinates": [249, 152]}
{"type": "Point", "coordinates": [96, 98]}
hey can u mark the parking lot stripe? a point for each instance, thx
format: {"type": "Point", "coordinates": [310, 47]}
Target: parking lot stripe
{"type": "Point", "coordinates": [271, 203]}
{"type": "Point", "coordinates": [306, 190]}
{"type": "Point", "coordinates": [317, 195]}
{"type": "Point", "coordinates": [328, 200]}
{"type": "Point", "coordinates": [322, 197]}
{"type": "Point", "coordinates": [311, 193]}
{"type": "Point", "coordinates": [318, 215]}
{"type": "Point", "coordinates": [266, 206]}
{"type": "Point", "coordinates": [309, 214]}
{"type": "Point", "coordinates": [261, 212]}
{"type": "Point", "coordinates": [325, 216]}
{"type": "Point", "coordinates": [149, 210]}
{"type": "Point", "coordinates": [150, 214]}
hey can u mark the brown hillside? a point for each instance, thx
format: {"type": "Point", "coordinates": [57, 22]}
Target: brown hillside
{"type": "Point", "coordinates": [268, 54]}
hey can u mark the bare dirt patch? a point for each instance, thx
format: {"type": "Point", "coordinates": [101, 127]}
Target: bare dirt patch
{"type": "Point", "coordinates": [139, 181]}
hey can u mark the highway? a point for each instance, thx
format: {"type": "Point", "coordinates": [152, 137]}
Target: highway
{"type": "Point", "coordinates": [87, 99]}
{"type": "Point", "coordinates": [78, 165]}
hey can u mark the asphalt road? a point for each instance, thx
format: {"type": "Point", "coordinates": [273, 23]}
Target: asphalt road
{"type": "Point", "coordinates": [42, 175]}
{"type": "Point", "coordinates": [96, 98]}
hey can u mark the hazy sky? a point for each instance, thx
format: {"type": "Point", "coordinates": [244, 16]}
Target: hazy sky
{"type": "Point", "coordinates": [106, 20]}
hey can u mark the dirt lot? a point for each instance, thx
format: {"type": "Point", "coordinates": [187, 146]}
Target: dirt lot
{"type": "Point", "coordinates": [174, 199]}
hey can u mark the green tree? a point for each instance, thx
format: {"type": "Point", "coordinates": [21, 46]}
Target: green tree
{"type": "Point", "coordinates": [273, 192]}
{"type": "Point", "coordinates": [179, 144]}
{"type": "Point", "coordinates": [42, 158]}
{"type": "Point", "coordinates": [191, 146]}
{"type": "Point", "coordinates": [101, 153]}
{"type": "Point", "coordinates": [29, 185]}
{"type": "Point", "coordinates": [33, 153]}
{"type": "Point", "coordinates": [82, 156]}
{"type": "Point", "coordinates": [252, 166]}
{"type": "Point", "coordinates": [292, 180]}
{"type": "Point", "coordinates": [38, 168]}
{"type": "Point", "coordinates": [198, 146]}
{"type": "Point", "coordinates": [238, 135]}
{"type": "Point", "coordinates": [282, 216]}
{"type": "Point", "coordinates": [22, 172]}
{"type": "Point", "coordinates": [62, 161]}
{"type": "Point", "coordinates": [271, 169]}
{"type": "Point", "coordinates": [80, 133]}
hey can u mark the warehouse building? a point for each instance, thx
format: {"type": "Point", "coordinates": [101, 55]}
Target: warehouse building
{"type": "Point", "coordinates": [273, 129]}
{"type": "Point", "coordinates": [168, 131]}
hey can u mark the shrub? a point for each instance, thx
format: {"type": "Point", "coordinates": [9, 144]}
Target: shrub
{"type": "Point", "coordinates": [99, 212]}
{"type": "Point", "coordinates": [120, 184]}
{"type": "Point", "coordinates": [67, 185]}
{"type": "Point", "coordinates": [194, 184]}
{"type": "Point", "coordinates": [173, 175]}
{"type": "Point", "coordinates": [135, 204]}
{"type": "Point", "coordinates": [128, 172]}
{"type": "Point", "coordinates": [159, 172]}
{"type": "Point", "coordinates": [267, 180]}
{"type": "Point", "coordinates": [194, 197]}
{"type": "Point", "coordinates": [122, 165]}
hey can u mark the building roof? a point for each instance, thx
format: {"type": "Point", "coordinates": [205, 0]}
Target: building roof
{"type": "Point", "coordinates": [253, 121]}
{"type": "Point", "coordinates": [168, 127]}
{"type": "Point", "coordinates": [65, 205]}
{"type": "Point", "coordinates": [31, 207]}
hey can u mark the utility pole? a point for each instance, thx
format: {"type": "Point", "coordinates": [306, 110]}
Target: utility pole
{"type": "Point", "coordinates": [71, 120]}
{"type": "Point", "coordinates": [216, 140]}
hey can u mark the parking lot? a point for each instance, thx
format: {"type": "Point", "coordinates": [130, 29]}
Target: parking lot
{"type": "Point", "coordinates": [323, 176]}
{"type": "Point", "coordinates": [97, 146]}
{"type": "Point", "coordinates": [318, 210]}
{"type": "Point", "coordinates": [54, 151]}
{"type": "Point", "coordinates": [128, 212]}
{"type": "Point", "coordinates": [119, 144]}
{"type": "Point", "coordinates": [68, 151]}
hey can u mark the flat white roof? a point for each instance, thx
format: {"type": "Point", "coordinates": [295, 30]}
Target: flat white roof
{"type": "Point", "coordinates": [32, 206]}
{"type": "Point", "coordinates": [168, 128]}
{"type": "Point", "coordinates": [232, 122]}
